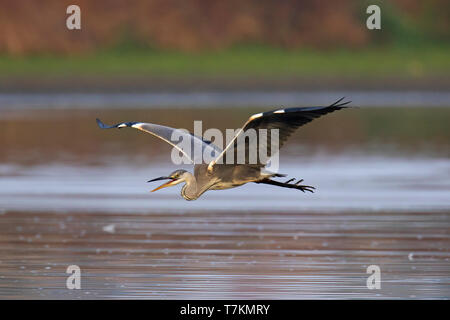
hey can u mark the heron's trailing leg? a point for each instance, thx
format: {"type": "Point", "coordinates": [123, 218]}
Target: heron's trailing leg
{"type": "Point", "coordinates": [289, 184]}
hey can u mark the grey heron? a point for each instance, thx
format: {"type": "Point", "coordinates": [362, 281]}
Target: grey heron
{"type": "Point", "coordinates": [216, 175]}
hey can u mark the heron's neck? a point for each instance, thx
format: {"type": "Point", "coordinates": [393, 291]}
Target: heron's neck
{"type": "Point", "coordinates": [189, 190]}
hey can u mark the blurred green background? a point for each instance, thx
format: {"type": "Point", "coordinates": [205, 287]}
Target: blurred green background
{"type": "Point", "coordinates": [265, 39]}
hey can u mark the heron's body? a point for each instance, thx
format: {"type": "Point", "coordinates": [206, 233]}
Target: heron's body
{"type": "Point", "coordinates": [217, 176]}
{"type": "Point", "coordinates": [223, 177]}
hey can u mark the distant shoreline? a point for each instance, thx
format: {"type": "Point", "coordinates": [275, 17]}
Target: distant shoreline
{"type": "Point", "coordinates": [218, 99]}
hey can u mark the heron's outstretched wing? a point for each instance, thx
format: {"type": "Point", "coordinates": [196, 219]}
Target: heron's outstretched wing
{"type": "Point", "coordinates": [188, 144]}
{"type": "Point", "coordinates": [285, 120]}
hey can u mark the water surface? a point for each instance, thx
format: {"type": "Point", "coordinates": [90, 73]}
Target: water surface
{"type": "Point", "coordinates": [71, 194]}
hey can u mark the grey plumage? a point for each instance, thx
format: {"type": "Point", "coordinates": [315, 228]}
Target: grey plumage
{"type": "Point", "coordinates": [218, 175]}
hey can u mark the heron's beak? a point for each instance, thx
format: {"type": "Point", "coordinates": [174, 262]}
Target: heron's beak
{"type": "Point", "coordinates": [164, 185]}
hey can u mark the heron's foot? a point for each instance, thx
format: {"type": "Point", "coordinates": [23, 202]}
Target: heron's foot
{"type": "Point", "coordinates": [288, 184]}
{"type": "Point", "coordinates": [297, 185]}
{"type": "Point", "coordinates": [306, 188]}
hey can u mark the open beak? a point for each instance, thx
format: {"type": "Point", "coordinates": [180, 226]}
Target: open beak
{"type": "Point", "coordinates": [164, 185]}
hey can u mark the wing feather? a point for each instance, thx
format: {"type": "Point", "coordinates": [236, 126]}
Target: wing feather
{"type": "Point", "coordinates": [285, 120]}
{"type": "Point", "coordinates": [169, 135]}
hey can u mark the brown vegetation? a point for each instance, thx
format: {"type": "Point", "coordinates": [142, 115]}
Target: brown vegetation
{"type": "Point", "coordinates": [39, 26]}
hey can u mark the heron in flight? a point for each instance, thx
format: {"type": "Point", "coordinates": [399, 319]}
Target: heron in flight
{"type": "Point", "coordinates": [215, 175]}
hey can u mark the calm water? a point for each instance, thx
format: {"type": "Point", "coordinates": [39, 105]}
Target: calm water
{"type": "Point", "coordinates": [71, 194]}
{"type": "Point", "coordinates": [216, 99]}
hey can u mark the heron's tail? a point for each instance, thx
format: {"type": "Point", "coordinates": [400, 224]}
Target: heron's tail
{"type": "Point", "coordinates": [268, 174]}
{"type": "Point", "coordinates": [279, 175]}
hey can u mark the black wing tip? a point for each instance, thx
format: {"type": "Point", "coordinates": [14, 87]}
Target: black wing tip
{"type": "Point", "coordinates": [332, 107]}
{"type": "Point", "coordinates": [101, 124]}
{"type": "Point", "coordinates": [119, 125]}
{"type": "Point", "coordinates": [340, 105]}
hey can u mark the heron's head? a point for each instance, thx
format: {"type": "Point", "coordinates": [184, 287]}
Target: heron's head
{"type": "Point", "coordinates": [174, 178]}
